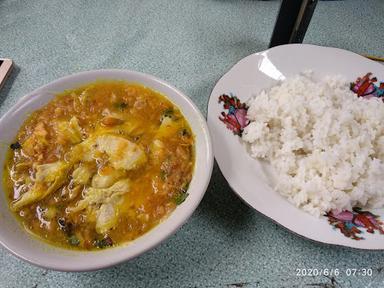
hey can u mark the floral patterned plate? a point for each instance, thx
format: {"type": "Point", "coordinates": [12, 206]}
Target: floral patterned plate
{"type": "Point", "coordinates": [252, 179]}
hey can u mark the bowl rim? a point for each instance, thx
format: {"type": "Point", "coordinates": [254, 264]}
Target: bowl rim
{"type": "Point", "coordinates": [187, 210]}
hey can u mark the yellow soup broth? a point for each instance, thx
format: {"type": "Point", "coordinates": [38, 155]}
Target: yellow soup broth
{"type": "Point", "coordinates": [99, 165]}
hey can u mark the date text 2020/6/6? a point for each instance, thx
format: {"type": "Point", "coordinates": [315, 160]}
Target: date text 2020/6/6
{"type": "Point", "coordinates": [303, 272]}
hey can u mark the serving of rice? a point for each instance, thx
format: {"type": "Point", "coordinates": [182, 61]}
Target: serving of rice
{"type": "Point", "coordinates": [324, 143]}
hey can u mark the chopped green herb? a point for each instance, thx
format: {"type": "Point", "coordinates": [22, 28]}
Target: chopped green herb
{"type": "Point", "coordinates": [61, 222]}
{"type": "Point", "coordinates": [163, 174]}
{"type": "Point", "coordinates": [184, 132]}
{"type": "Point", "coordinates": [191, 151]}
{"type": "Point", "coordinates": [167, 113]}
{"type": "Point", "coordinates": [104, 242]}
{"type": "Point", "coordinates": [15, 146]}
{"type": "Point", "coordinates": [66, 227]}
{"type": "Point", "coordinates": [121, 105]}
{"type": "Point", "coordinates": [73, 240]}
{"type": "Point", "coordinates": [185, 187]}
{"type": "Point", "coordinates": [180, 198]}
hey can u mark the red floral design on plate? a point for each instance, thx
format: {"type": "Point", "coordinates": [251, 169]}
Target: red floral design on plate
{"type": "Point", "coordinates": [365, 87]}
{"type": "Point", "coordinates": [236, 117]}
{"type": "Point", "coordinates": [350, 223]}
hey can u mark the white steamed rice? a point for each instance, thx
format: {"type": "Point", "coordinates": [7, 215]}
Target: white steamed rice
{"type": "Point", "coordinates": [325, 144]}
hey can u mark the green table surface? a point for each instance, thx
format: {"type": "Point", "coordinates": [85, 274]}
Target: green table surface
{"type": "Point", "coordinates": [190, 44]}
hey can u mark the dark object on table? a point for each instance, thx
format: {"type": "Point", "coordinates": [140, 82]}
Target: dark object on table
{"type": "Point", "coordinates": [5, 69]}
{"type": "Point", "coordinates": [374, 58]}
{"type": "Point", "coordinates": [292, 21]}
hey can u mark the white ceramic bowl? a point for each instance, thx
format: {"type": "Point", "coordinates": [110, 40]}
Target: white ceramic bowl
{"type": "Point", "coordinates": [27, 247]}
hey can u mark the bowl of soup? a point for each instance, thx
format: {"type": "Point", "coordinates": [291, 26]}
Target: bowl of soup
{"type": "Point", "coordinates": [99, 167]}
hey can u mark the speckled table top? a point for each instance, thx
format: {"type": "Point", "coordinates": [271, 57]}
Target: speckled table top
{"type": "Point", "coordinates": [189, 44]}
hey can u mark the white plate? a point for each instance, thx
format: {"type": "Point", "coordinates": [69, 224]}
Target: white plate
{"type": "Point", "coordinates": [246, 176]}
